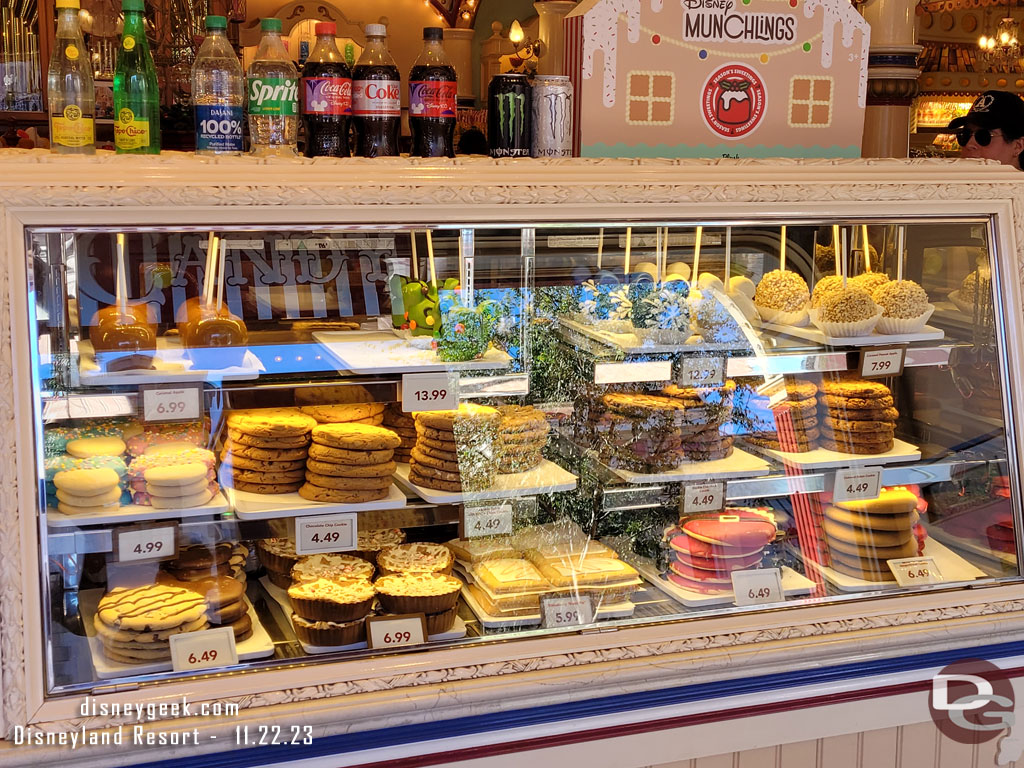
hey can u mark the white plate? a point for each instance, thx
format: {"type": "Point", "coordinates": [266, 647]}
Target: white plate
{"type": "Point", "coordinates": [384, 353]}
{"type": "Point", "coordinates": [546, 477]}
{"type": "Point", "coordinates": [822, 458]}
{"type": "Point", "coordinates": [257, 646]}
{"type": "Point", "coordinates": [738, 464]}
{"type": "Point", "coordinates": [793, 584]}
{"type": "Point", "coordinates": [136, 512]}
{"type": "Point", "coordinates": [169, 365]}
{"type": "Point", "coordinates": [258, 506]}
{"type": "Point", "coordinates": [630, 344]}
{"type": "Point", "coordinates": [810, 333]}
{"type": "Point", "coordinates": [952, 567]}
{"type": "Point", "coordinates": [621, 610]}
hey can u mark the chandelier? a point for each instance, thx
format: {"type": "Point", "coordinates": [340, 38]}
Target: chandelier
{"type": "Point", "coordinates": [1000, 51]}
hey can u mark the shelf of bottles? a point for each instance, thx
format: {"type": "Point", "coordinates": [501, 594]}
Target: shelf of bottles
{"type": "Point", "coordinates": [21, 85]}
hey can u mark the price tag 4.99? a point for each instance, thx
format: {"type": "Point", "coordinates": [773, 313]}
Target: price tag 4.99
{"type": "Point", "coordinates": [429, 392]}
{"type": "Point", "coordinates": [702, 372]}
{"type": "Point", "coordinates": [396, 631]}
{"type": "Point", "coordinates": [148, 542]}
{"type": "Point", "coordinates": [703, 497]}
{"type": "Point", "coordinates": [915, 571]}
{"type": "Point", "coordinates": [490, 520]}
{"type": "Point", "coordinates": [326, 533]}
{"type": "Point", "coordinates": [201, 650]}
{"type": "Point", "coordinates": [857, 484]}
{"type": "Point", "coordinates": [567, 611]}
{"type": "Point", "coordinates": [879, 362]}
{"type": "Point", "coordinates": [182, 403]}
{"type": "Point", "coordinates": [762, 585]}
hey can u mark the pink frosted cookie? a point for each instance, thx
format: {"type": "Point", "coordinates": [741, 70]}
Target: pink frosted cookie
{"type": "Point", "coordinates": [192, 433]}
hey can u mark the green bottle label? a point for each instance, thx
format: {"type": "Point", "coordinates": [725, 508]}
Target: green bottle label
{"type": "Point", "coordinates": [131, 131]}
{"type": "Point", "coordinates": [277, 96]}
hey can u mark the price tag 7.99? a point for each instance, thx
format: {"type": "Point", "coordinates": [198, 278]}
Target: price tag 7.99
{"type": "Point", "coordinates": [396, 631]}
{"type": "Point", "coordinates": [880, 362]}
{"type": "Point", "coordinates": [429, 392]}
{"type": "Point", "coordinates": [488, 520]}
{"type": "Point", "coordinates": [702, 372]}
{"type": "Point", "coordinates": [202, 650]}
{"type": "Point", "coordinates": [182, 403]}
{"type": "Point", "coordinates": [703, 497]}
{"type": "Point", "coordinates": [567, 611]}
{"type": "Point", "coordinates": [858, 484]}
{"type": "Point", "coordinates": [149, 542]}
{"type": "Point", "coordinates": [326, 533]}
{"type": "Point", "coordinates": [915, 571]}
{"type": "Point", "coordinates": [761, 585]}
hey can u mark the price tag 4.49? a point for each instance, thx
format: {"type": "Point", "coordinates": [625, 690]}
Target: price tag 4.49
{"type": "Point", "coordinates": [429, 392]}
{"type": "Point", "coordinates": [184, 403]}
{"type": "Point", "coordinates": [567, 611]}
{"type": "Point", "coordinates": [326, 533]}
{"type": "Point", "coordinates": [915, 571]}
{"type": "Point", "coordinates": [490, 520]}
{"type": "Point", "coordinates": [149, 542]}
{"type": "Point", "coordinates": [702, 372]}
{"type": "Point", "coordinates": [396, 631]}
{"type": "Point", "coordinates": [201, 650]}
{"type": "Point", "coordinates": [879, 362]}
{"type": "Point", "coordinates": [703, 497]}
{"type": "Point", "coordinates": [758, 586]}
{"type": "Point", "coordinates": [857, 484]}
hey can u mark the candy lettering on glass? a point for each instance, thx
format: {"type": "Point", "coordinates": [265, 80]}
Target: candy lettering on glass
{"type": "Point", "coordinates": [432, 98]}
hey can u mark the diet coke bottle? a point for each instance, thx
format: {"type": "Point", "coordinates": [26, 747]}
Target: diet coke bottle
{"type": "Point", "coordinates": [326, 97]}
{"type": "Point", "coordinates": [432, 89]}
{"type": "Point", "coordinates": [376, 97]}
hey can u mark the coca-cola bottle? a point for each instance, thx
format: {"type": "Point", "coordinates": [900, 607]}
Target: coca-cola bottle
{"type": "Point", "coordinates": [432, 87]}
{"type": "Point", "coordinates": [376, 97]}
{"type": "Point", "coordinates": [326, 97]}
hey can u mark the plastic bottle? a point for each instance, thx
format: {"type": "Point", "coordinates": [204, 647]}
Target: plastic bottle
{"type": "Point", "coordinates": [273, 95]}
{"type": "Point", "coordinates": [376, 97]}
{"type": "Point", "coordinates": [432, 90]}
{"type": "Point", "coordinates": [136, 91]}
{"type": "Point", "coordinates": [326, 97]}
{"type": "Point", "coordinates": [69, 85]}
{"type": "Point", "coordinates": [218, 93]}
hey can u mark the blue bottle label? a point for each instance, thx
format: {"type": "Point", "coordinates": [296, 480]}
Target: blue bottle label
{"type": "Point", "coordinates": [218, 128]}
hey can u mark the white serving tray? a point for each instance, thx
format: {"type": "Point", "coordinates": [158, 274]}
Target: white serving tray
{"type": "Point", "coordinates": [546, 477]}
{"type": "Point", "coordinates": [170, 365]}
{"type": "Point", "coordinates": [257, 646]}
{"type": "Point", "coordinates": [810, 333]}
{"type": "Point", "coordinates": [738, 464]}
{"type": "Point", "coordinates": [383, 352]}
{"type": "Point", "coordinates": [630, 343]}
{"type": "Point", "coordinates": [952, 567]}
{"type": "Point", "coordinates": [621, 610]}
{"type": "Point", "coordinates": [129, 513]}
{"type": "Point", "coordinates": [972, 547]}
{"type": "Point", "coordinates": [822, 458]}
{"type": "Point", "coordinates": [259, 506]}
{"type": "Point", "coordinates": [793, 584]}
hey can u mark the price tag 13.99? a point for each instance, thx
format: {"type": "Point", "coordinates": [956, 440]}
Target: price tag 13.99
{"type": "Point", "coordinates": [915, 571]}
{"type": "Point", "coordinates": [489, 520]}
{"type": "Point", "coordinates": [429, 392]}
{"type": "Point", "coordinates": [201, 650]}
{"type": "Point", "coordinates": [703, 497]}
{"type": "Point", "coordinates": [857, 484]}
{"type": "Point", "coordinates": [396, 631]}
{"type": "Point", "coordinates": [182, 403]}
{"type": "Point", "coordinates": [762, 585]}
{"type": "Point", "coordinates": [879, 362]}
{"type": "Point", "coordinates": [149, 542]}
{"type": "Point", "coordinates": [702, 372]}
{"type": "Point", "coordinates": [567, 611]}
{"type": "Point", "coordinates": [326, 533]}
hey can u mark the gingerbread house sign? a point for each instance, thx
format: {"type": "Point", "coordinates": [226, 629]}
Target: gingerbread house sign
{"type": "Point", "coordinates": [718, 78]}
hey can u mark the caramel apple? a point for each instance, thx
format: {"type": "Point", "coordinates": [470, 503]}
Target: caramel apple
{"type": "Point", "coordinates": [123, 341]}
{"type": "Point", "coordinates": [215, 338]}
{"type": "Point", "coordinates": [187, 312]}
{"type": "Point", "coordinates": [136, 312]}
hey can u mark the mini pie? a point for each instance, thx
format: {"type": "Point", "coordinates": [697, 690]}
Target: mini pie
{"type": "Point", "coordinates": [331, 566]}
{"type": "Point", "coordinates": [416, 558]}
{"type": "Point", "coordinates": [328, 600]}
{"type": "Point", "coordinates": [418, 592]}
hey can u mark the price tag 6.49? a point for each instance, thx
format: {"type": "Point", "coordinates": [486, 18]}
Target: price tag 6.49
{"type": "Point", "coordinates": [702, 372]}
{"type": "Point", "coordinates": [486, 520]}
{"type": "Point", "coordinates": [880, 362]}
{"type": "Point", "coordinates": [326, 533]}
{"type": "Point", "coordinates": [567, 611]}
{"type": "Point", "coordinates": [703, 497]}
{"type": "Point", "coordinates": [762, 585]}
{"type": "Point", "coordinates": [396, 631]}
{"type": "Point", "coordinates": [149, 542]}
{"type": "Point", "coordinates": [201, 650]}
{"type": "Point", "coordinates": [429, 392]}
{"type": "Point", "coordinates": [857, 484]}
{"type": "Point", "coordinates": [184, 403]}
{"type": "Point", "coordinates": [915, 571]}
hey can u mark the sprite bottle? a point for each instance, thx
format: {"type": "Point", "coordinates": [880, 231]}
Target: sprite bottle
{"type": "Point", "coordinates": [136, 91]}
{"type": "Point", "coordinates": [272, 83]}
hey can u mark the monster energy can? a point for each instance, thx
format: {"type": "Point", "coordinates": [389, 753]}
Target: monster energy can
{"type": "Point", "coordinates": [552, 116]}
{"type": "Point", "coordinates": [508, 116]}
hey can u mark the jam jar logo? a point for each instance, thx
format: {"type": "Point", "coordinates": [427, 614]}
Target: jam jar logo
{"type": "Point", "coordinates": [733, 101]}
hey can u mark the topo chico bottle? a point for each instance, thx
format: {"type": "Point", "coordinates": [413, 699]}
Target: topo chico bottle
{"type": "Point", "coordinates": [136, 91]}
{"type": "Point", "coordinates": [70, 87]}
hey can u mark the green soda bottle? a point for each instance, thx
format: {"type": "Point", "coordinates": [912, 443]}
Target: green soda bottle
{"type": "Point", "coordinates": [136, 91]}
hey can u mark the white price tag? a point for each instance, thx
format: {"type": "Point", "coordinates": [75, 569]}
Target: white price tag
{"type": "Point", "coordinates": [201, 650]}
{"type": "Point", "coordinates": [429, 392]}
{"type": "Point", "coordinates": [914, 571]}
{"type": "Point", "coordinates": [396, 631]}
{"type": "Point", "coordinates": [157, 542]}
{"type": "Point", "coordinates": [172, 404]}
{"type": "Point", "coordinates": [567, 611]}
{"type": "Point", "coordinates": [761, 585]}
{"type": "Point", "coordinates": [882, 362]}
{"type": "Point", "coordinates": [702, 372]}
{"type": "Point", "coordinates": [326, 533]}
{"type": "Point", "coordinates": [857, 484]}
{"type": "Point", "coordinates": [703, 497]}
{"type": "Point", "coordinates": [486, 521]}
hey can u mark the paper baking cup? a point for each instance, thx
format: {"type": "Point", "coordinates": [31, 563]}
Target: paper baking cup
{"type": "Point", "coordinates": [901, 325]}
{"type": "Point", "coordinates": [797, 319]}
{"type": "Point", "coordinates": [275, 562]}
{"type": "Point", "coordinates": [278, 579]}
{"type": "Point", "coordinates": [844, 330]}
{"type": "Point", "coordinates": [329, 610]}
{"type": "Point", "coordinates": [441, 622]}
{"type": "Point", "coordinates": [342, 634]}
{"type": "Point", "coordinates": [419, 603]}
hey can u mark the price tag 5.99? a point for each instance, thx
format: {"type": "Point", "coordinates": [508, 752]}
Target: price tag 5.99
{"type": "Point", "coordinates": [702, 372]}
{"type": "Point", "coordinates": [762, 585]}
{"type": "Point", "coordinates": [202, 650]}
{"type": "Point", "coordinates": [429, 392]}
{"type": "Point", "coordinates": [151, 542]}
{"type": "Point", "coordinates": [857, 484]}
{"type": "Point", "coordinates": [396, 631]}
{"type": "Point", "coordinates": [326, 533]}
{"type": "Point", "coordinates": [567, 611]}
{"type": "Point", "coordinates": [703, 497]}
{"type": "Point", "coordinates": [880, 362]}
{"type": "Point", "coordinates": [486, 521]}
{"type": "Point", "coordinates": [915, 571]}
{"type": "Point", "coordinates": [183, 403]}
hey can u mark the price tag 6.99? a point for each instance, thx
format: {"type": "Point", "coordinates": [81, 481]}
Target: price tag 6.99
{"type": "Point", "coordinates": [429, 392]}
{"type": "Point", "coordinates": [396, 631]}
{"type": "Point", "coordinates": [486, 520]}
{"type": "Point", "coordinates": [201, 650]}
{"type": "Point", "coordinates": [567, 611]}
{"type": "Point", "coordinates": [702, 372]}
{"type": "Point", "coordinates": [703, 497]}
{"type": "Point", "coordinates": [880, 362]}
{"type": "Point", "coordinates": [762, 585]}
{"type": "Point", "coordinates": [150, 542]}
{"type": "Point", "coordinates": [915, 571]}
{"type": "Point", "coordinates": [182, 403]}
{"type": "Point", "coordinates": [857, 484]}
{"type": "Point", "coordinates": [326, 533]}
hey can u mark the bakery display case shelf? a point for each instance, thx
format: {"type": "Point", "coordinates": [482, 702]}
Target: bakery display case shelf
{"type": "Point", "coordinates": [135, 513]}
{"type": "Point", "coordinates": [783, 362]}
{"type": "Point", "coordinates": [258, 506]}
{"type": "Point", "coordinates": [810, 333]}
{"type": "Point", "coordinates": [793, 585]}
{"type": "Point", "coordinates": [170, 365]}
{"type": "Point", "coordinates": [738, 464]}
{"type": "Point", "coordinates": [629, 344]}
{"type": "Point", "coordinates": [547, 477]}
{"type": "Point", "coordinates": [383, 353]}
{"type": "Point", "coordinates": [823, 458]}
{"type": "Point", "coordinates": [525, 620]}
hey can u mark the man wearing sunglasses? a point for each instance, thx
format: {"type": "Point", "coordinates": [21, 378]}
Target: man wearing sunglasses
{"type": "Point", "coordinates": [993, 129]}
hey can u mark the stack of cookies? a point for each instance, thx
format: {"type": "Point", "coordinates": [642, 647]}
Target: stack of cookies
{"type": "Point", "coordinates": [349, 463]}
{"type": "Point", "coordinates": [201, 561]}
{"type": "Point", "coordinates": [225, 603]}
{"type": "Point", "coordinates": [353, 413]}
{"type": "Point", "coordinates": [454, 450]}
{"type": "Point", "coordinates": [857, 415]}
{"type": "Point", "coordinates": [403, 425]}
{"type": "Point", "coordinates": [862, 535]}
{"type": "Point", "coordinates": [88, 491]}
{"type": "Point", "coordinates": [266, 449]}
{"type": "Point", "coordinates": [522, 435]}
{"type": "Point", "coordinates": [278, 555]}
{"type": "Point", "coordinates": [792, 426]}
{"type": "Point", "coordinates": [708, 408]}
{"type": "Point", "coordinates": [135, 625]}
{"type": "Point", "coordinates": [179, 486]}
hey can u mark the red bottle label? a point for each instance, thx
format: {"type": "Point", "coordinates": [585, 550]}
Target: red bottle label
{"type": "Point", "coordinates": [377, 98]}
{"type": "Point", "coordinates": [326, 96]}
{"type": "Point", "coordinates": [432, 98]}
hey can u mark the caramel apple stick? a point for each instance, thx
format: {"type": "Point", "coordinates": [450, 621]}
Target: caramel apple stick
{"type": "Point", "coordinates": [430, 259]}
{"type": "Point", "coordinates": [728, 255]}
{"type": "Point", "coordinates": [600, 247]}
{"type": "Point", "coordinates": [220, 273]}
{"type": "Point", "coordinates": [867, 248]}
{"type": "Point", "coordinates": [900, 233]}
{"type": "Point", "coordinates": [842, 236]}
{"type": "Point", "coordinates": [657, 257]}
{"type": "Point", "coordinates": [211, 248]}
{"type": "Point", "coordinates": [208, 278]}
{"type": "Point", "coordinates": [835, 248]}
{"type": "Point", "coordinates": [629, 246]}
{"type": "Point", "coordinates": [782, 249]}
{"type": "Point", "coordinates": [696, 254]}
{"type": "Point", "coordinates": [121, 285]}
{"type": "Point", "coordinates": [664, 252]}
{"type": "Point", "coordinates": [415, 259]}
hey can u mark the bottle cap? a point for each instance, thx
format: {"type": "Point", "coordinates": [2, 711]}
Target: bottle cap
{"type": "Point", "coordinates": [433, 33]}
{"type": "Point", "coordinates": [216, 22]}
{"type": "Point", "coordinates": [133, 5]}
{"type": "Point", "coordinates": [267, 25]}
{"type": "Point", "coordinates": [68, 4]}
{"type": "Point", "coordinates": [326, 28]}
{"type": "Point", "coordinates": [376, 30]}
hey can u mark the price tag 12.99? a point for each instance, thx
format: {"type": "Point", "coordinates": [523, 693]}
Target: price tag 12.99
{"type": "Point", "coordinates": [150, 542]}
{"type": "Point", "coordinates": [567, 611]}
{"type": "Point", "coordinates": [762, 585]}
{"type": "Point", "coordinates": [915, 571]}
{"type": "Point", "coordinates": [489, 520]}
{"type": "Point", "coordinates": [857, 484]}
{"type": "Point", "coordinates": [702, 372]}
{"type": "Point", "coordinates": [182, 403]}
{"type": "Point", "coordinates": [429, 392]}
{"type": "Point", "coordinates": [326, 533]}
{"type": "Point", "coordinates": [201, 650]}
{"type": "Point", "coordinates": [703, 497]}
{"type": "Point", "coordinates": [396, 631]}
{"type": "Point", "coordinates": [879, 362]}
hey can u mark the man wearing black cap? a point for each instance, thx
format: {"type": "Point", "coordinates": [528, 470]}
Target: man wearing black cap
{"type": "Point", "coordinates": [993, 129]}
